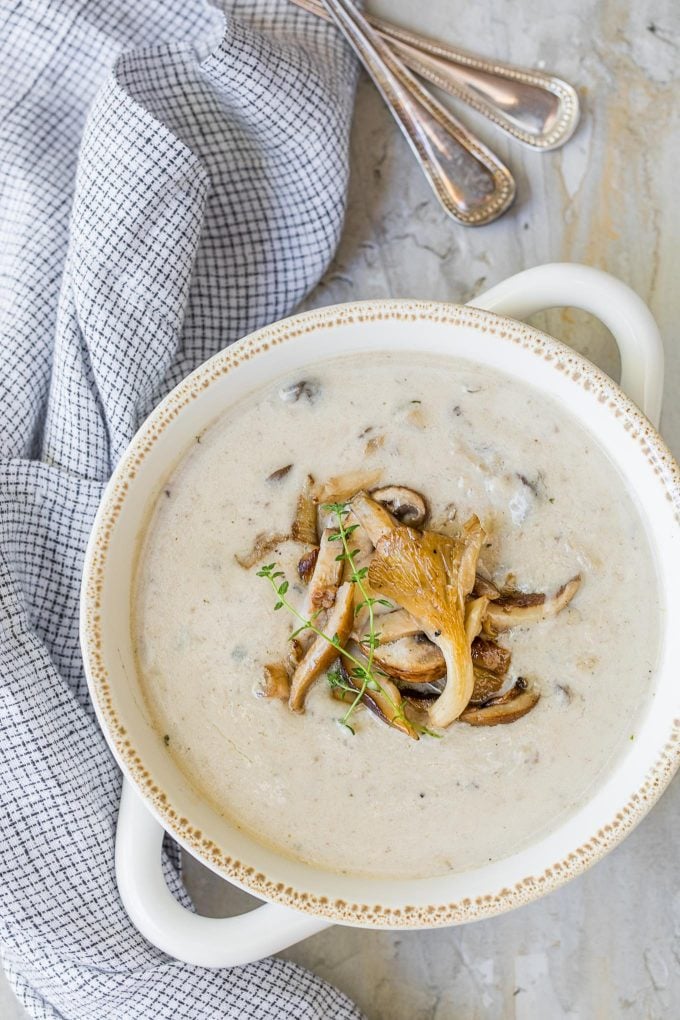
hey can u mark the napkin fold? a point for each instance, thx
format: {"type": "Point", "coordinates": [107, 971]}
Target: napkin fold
{"type": "Point", "coordinates": [173, 176]}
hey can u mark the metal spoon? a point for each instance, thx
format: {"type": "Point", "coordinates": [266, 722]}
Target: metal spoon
{"type": "Point", "coordinates": [470, 181]}
{"type": "Point", "coordinates": [538, 109]}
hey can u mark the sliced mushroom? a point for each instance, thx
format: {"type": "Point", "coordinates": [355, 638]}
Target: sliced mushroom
{"type": "Point", "coordinates": [505, 708]}
{"type": "Point", "coordinates": [474, 616]}
{"type": "Point", "coordinates": [489, 656]}
{"type": "Point", "coordinates": [484, 586]}
{"type": "Point", "coordinates": [264, 543]}
{"type": "Point", "coordinates": [373, 518]}
{"type": "Point", "coordinates": [321, 592]}
{"type": "Point", "coordinates": [304, 525]}
{"type": "Point", "coordinates": [323, 586]}
{"type": "Point", "coordinates": [487, 685]}
{"type": "Point", "coordinates": [406, 505]}
{"type": "Point", "coordinates": [387, 704]}
{"type": "Point", "coordinates": [275, 683]}
{"type": "Point", "coordinates": [522, 608]}
{"type": "Point", "coordinates": [413, 659]}
{"type": "Point", "coordinates": [321, 653]}
{"type": "Point", "coordinates": [279, 474]}
{"type": "Point", "coordinates": [473, 536]}
{"type": "Point", "coordinates": [339, 488]}
{"type": "Point", "coordinates": [306, 564]}
{"type": "Point", "coordinates": [395, 625]}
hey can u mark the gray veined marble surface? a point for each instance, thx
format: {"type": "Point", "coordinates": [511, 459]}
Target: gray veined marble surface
{"type": "Point", "coordinates": [607, 945]}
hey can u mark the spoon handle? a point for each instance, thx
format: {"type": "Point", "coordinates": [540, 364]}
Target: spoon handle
{"type": "Point", "coordinates": [538, 109]}
{"type": "Point", "coordinates": [470, 181]}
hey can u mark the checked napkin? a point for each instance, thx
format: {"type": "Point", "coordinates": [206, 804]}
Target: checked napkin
{"type": "Point", "coordinates": [172, 176]}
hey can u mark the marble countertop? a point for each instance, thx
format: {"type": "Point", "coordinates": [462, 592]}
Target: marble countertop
{"type": "Point", "coordinates": [608, 944]}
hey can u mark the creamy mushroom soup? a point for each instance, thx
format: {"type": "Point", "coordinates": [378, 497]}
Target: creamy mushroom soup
{"type": "Point", "coordinates": [374, 801]}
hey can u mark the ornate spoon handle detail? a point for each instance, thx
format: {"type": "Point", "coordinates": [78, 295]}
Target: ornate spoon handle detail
{"type": "Point", "coordinates": [470, 181]}
{"type": "Point", "coordinates": [538, 109]}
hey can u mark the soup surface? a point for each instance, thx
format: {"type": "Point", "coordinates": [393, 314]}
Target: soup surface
{"type": "Point", "coordinates": [377, 803]}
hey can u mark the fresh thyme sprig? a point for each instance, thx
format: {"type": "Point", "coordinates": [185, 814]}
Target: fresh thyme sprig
{"type": "Point", "coordinates": [363, 673]}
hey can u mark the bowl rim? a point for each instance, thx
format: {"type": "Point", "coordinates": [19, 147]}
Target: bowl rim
{"type": "Point", "coordinates": [257, 343]}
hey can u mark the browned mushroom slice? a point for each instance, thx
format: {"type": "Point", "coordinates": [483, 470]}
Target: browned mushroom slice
{"type": "Point", "coordinates": [304, 525]}
{"type": "Point", "coordinates": [483, 586]}
{"type": "Point", "coordinates": [327, 575]}
{"type": "Point", "coordinates": [487, 684]}
{"type": "Point", "coordinates": [321, 653]}
{"type": "Point", "coordinates": [339, 488]}
{"type": "Point", "coordinates": [387, 704]}
{"type": "Point", "coordinates": [489, 656]}
{"type": "Point", "coordinates": [506, 708]}
{"type": "Point", "coordinates": [474, 616]}
{"type": "Point", "coordinates": [373, 518]}
{"type": "Point", "coordinates": [279, 474]}
{"type": "Point", "coordinates": [473, 538]}
{"type": "Point", "coordinates": [522, 608]}
{"type": "Point", "coordinates": [306, 564]}
{"type": "Point", "coordinates": [275, 683]}
{"type": "Point", "coordinates": [407, 505]}
{"type": "Point", "coordinates": [395, 625]}
{"type": "Point", "coordinates": [323, 586]}
{"type": "Point", "coordinates": [413, 659]}
{"type": "Point", "coordinates": [423, 705]}
{"type": "Point", "coordinates": [264, 543]}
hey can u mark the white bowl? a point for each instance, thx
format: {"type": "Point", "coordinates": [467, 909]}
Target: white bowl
{"type": "Point", "coordinates": [157, 795]}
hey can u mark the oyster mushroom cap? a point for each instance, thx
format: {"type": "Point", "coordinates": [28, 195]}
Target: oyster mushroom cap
{"type": "Point", "coordinates": [405, 504]}
{"type": "Point", "coordinates": [419, 570]}
{"type": "Point", "coordinates": [521, 608]}
{"type": "Point", "coordinates": [321, 653]}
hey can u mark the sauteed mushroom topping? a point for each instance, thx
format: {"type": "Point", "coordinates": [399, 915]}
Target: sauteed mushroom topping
{"type": "Point", "coordinates": [304, 523]}
{"type": "Point", "coordinates": [399, 618]}
{"type": "Point", "coordinates": [407, 505]}
{"type": "Point", "coordinates": [275, 683]}
{"type": "Point", "coordinates": [264, 543]}
{"type": "Point", "coordinates": [322, 653]}
{"type": "Point", "coordinates": [279, 474]}
{"type": "Point", "coordinates": [504, 708]}
{"type": "Point", "coordinates": [521, 608]}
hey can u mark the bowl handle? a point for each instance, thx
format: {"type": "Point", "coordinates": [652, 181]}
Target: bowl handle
{"type": "Point", "coordinates": [206, 941]}
{"type": "Point", "coordinates": [567, 284]}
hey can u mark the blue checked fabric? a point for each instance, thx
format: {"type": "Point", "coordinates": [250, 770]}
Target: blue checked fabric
{"type": "Point", "coordinates": [172, 176]}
